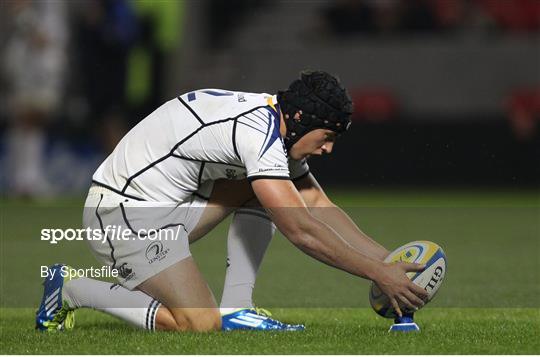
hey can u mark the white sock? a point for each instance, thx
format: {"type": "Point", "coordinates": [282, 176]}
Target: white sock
{"type": "Point", "coordinates": [249, 235]}
{"type": "Point", "coordinates": [134, 307]}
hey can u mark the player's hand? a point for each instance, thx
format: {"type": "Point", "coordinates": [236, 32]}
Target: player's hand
{"type": "Point", "coordinates": [395, 284]}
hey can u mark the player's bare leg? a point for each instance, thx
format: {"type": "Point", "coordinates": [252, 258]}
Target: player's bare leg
{"type": "Point", "coordinates": [185, 296]}
{"type": "Point", "coordinates": [178, 311]}
{"type": "Point", "coordinates": [226, 197]}
{"type": "Point", "coordinates": [245, 253]}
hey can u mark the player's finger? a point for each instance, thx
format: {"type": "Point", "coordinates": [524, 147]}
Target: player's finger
{"type": "Point", "coordinates": [415, 300]}
{"type": "Point", "coordinates": [418, 291]}
{"type": "Point", "coordinates": [406, 302]}
{"type": "Point", "coordinates": [395, 305]}
{"type": "Point", "coordinates": [414, 267]}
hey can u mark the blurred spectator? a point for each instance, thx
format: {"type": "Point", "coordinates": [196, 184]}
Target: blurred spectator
{"type": "Point", "coordinates": [524, 113]}
{"type": "Point", "coordinates": [34, 70]}
{"type": "Point", "coordinates": [375, 105]}
{"type": "Point", "coordinates": [349, 16]}
{"type": "Point", "coordinates": [418, 16]}
{"type": "Point", "coordinates": [518, 16]}
{"type": "Point", "coordinates": [224, 17]}
{"type": "Point", "coordinates": [161, 25]}
{"type": "Point", "coordinates": [449, 13]}
{"type": "Point", "coordinates": [380, 16]}
{"type": "Point", "coordinates": [345, 17]}
{"type": "Point", "coordinates": [105, 33]}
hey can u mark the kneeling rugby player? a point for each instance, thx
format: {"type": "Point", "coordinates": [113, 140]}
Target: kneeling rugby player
{"type": "Point", "coordinates": [187, 166]}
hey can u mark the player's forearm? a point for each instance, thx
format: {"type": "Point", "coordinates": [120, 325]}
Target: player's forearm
{"type": "Point", "coordinates": [324, 244]}
{"type": "Point", "coordinates": [339, 221]}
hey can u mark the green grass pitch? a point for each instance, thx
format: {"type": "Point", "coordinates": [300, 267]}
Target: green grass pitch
{"type": "Point", "coordinates": [489, 303]}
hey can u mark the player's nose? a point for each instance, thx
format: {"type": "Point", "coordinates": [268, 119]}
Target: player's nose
{"type": "Point", "coordinates": [327, 148]}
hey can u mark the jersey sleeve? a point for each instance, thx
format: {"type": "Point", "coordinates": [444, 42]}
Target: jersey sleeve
{"type": "Point", "coordinates": [260, 146]}
{"type": "Point", "coordinates": [298, 169]}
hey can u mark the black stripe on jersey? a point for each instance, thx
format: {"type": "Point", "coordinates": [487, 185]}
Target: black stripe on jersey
{"type": "Point", "coordinates": [255, 122]}
{"type": "Point", "coordinates": [206, 161]}
{"type": "Point", "coordinates": [117, 191]}
{"type": "Point", "coordinates": [253, 178]}
{"type": "Point", "coordinates": [103, 231]}
{"type": "Point", "coordinates": [191, 110]}
{"type": "Point", "coordinates": [305, 174]}
{"type": "Point", "coordinates": [152, 164]}
{"type": "Point", "coordinates": [262, 117]}
{"type": "Point", "coordinates": [252, 127]}
{"type": "Point", "coordinates": [201, 171]}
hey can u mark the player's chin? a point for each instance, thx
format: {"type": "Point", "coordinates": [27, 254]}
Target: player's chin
{"type": "Point", "coordinates": [297, 156]}
{"type": "Point", "coordinates": [306, 156]}
{"type": "Point", "coordinates": [301, 156]}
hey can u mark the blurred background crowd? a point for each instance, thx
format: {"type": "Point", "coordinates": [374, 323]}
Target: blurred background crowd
{"type": "Point", "coordinates": [446, 92]}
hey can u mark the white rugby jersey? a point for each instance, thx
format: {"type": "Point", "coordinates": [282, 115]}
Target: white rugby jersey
{"type": "Point", "coordinates": [198, 137]}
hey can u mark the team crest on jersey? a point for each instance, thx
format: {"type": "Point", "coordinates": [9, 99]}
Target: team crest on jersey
{"type": "Point", "coordinates": [241, 98]}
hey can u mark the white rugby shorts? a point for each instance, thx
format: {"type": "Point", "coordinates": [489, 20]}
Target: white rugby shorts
{"type": "Point", "coordinates": [143, 238]}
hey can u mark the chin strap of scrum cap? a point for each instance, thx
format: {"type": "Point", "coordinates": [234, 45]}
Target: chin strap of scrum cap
{"type": "Point", "coordinates": [323, 102]}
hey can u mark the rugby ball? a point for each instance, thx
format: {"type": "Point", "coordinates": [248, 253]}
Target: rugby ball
{"type": "Point", "coordinates": [430, 279]}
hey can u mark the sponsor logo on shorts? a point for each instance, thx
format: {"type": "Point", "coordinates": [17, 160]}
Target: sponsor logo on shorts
{"type": "Point", "coordinates": [156, 252]}
{"type": "Point", "coordinates": [126, 272]}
